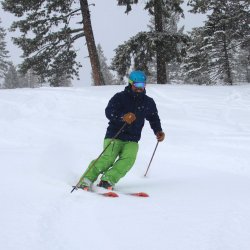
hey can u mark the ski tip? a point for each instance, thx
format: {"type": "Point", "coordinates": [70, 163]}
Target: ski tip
{"type": "Point", "coordinates": [110, 194]}
{"type": "Point", "coordinates": [140, 194]}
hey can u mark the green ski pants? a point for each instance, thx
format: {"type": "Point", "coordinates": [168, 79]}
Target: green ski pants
{"type": "Point", "coordinates": [114, 163]}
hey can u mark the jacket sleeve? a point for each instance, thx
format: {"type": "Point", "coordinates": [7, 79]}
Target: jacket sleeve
{"type": "Point", "coordinates": [113, 110]}
{"type": "Point", "coordinates": [153, 117]}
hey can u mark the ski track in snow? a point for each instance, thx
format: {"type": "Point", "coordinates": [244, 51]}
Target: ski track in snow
{"type": "Point", "coordinates": [198, 181]}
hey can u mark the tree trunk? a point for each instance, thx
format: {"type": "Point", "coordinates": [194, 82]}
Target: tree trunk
{"type": "Point", "coordinates": [248, 68]}
{"type": "Point", "coordinates": [228, 74]}
{"type": "Point", "coordinates": [160, 59]}
{"type": "Point", "coordinates": [88, 32]}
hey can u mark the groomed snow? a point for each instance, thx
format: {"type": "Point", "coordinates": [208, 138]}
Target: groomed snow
{"type": "Point", "coordinates": [199, 180]}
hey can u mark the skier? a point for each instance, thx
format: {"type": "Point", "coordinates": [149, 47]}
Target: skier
{"type": "Point", "coordinates": [131, 106]}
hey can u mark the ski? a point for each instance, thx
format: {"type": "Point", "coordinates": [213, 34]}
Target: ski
{"type": "Point", "coordinates": [139, 194]}
{"type": "Point", "coordinates": [105, 193]}
{"type": "Point", "coordinates": [113, 194]}
{"type": "Point", "coordinates": [110, 194]}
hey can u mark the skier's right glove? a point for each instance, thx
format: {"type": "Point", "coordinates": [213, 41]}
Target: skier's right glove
{"type": "Point", "coordinates": [129, 118]}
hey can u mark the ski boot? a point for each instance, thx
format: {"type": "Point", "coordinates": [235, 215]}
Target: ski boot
{"type": "Point", "coordinates": [105, 184]}
{"type": "Point", "coordinates": [85, 184]}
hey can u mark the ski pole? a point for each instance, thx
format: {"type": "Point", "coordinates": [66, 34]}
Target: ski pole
{"type": "Point", "coordinates": [151, 159]}
{"type": "Point", "coordinates": [93, 164]}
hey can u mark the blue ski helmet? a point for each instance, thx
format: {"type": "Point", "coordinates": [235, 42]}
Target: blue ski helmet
{"type": "Point", "coordinates": [137, 76]}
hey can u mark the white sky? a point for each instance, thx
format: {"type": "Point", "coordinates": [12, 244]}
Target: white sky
{"type": "Point", "coordinates": [111, 27]}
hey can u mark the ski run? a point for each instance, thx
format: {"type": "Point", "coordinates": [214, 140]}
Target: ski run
{"type": "Point", "coordinates": [198, 182]}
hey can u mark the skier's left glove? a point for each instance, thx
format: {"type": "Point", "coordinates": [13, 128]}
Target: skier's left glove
{"type": "Point", "coordinates": [160, 136]}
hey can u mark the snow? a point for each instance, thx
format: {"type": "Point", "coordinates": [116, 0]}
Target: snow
{"type": "Point", "coordinates": [198, 182]}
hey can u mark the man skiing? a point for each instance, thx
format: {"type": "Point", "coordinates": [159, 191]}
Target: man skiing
{"type": "Point", "coordinates": [131, 107]}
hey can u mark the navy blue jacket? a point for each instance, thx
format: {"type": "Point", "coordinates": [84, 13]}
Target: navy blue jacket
{"type": "Point", "coordinates": [141, 105]}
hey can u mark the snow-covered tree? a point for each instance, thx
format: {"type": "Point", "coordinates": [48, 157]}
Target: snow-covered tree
{"type": "Point", "coordinates": [244, 57]}
{"type": "Point", "coordinates": [11, 80]}
{"type": "Point", "coordinates": [62, 80]}
{"type": "Point", "coordinates": [196, 63]}
{"type": "Point", "coordinates": [158, 44]}
{"type": "Point", "coordinates": [4, 64]}
{"type": "Point", "coordinates": [49, 30]}
{"type": "Point", "coordinates": [29, 80]}
{"type": "Point", "coordinates": [173, 67]}
{"type": "Point", "coordinates": [242, 65]}
{"type": "Point", "coordinates": [224, 31]}
{"type": "Point", "coordinates": [109, 78]}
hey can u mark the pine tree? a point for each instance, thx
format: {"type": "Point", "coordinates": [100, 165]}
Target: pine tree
{"type": "Point", "coordinates": [108, 77]}
{"type": "Point", "coordinates": [93, 55]}
{"type": "Point", "coordinates": [156, 44]}
{"type": "Point", "coordinates": [170, 26]}
{"type": "Point", "coordinates": [11, 80]}
{"type": "Point", "coordinates": [224, 31]}
{"type": "Point", "coordinates": [63, 80]}
{"type": "Point", "coordinates": [48, 32]}
{"type": "Point", "coordinates": [196, 63]}
{"type": "Point", "coordinates": [29, 80]}
{"type": "Point", "coordinates": [245, 57]}
{"type": "Point", "coordinates": [66, 82]}
{"type": "Point", "coordinates": [242, 65]}
{"type": "Point", "coordinates": [4, 64]}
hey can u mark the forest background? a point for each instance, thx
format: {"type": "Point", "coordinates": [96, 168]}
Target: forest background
{"type": "Point", "coordinates": [110, 33]}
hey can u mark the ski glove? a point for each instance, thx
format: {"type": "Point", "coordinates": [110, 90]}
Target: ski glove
{"type": "Point", "coordinates": [160, 136]}
{"type": "Point", "coordinates": [129, 118]}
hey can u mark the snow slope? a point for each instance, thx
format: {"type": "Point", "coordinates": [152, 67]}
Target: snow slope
{"type": "Point", "coordinates": [199, 180]}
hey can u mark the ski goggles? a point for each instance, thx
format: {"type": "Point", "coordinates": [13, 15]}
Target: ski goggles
{"type": "Point", "coordinates": [140, 85]}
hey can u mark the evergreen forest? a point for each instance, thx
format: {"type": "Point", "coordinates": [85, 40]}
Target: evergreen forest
{"type": "Point", "coordinates": [218, 52]}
